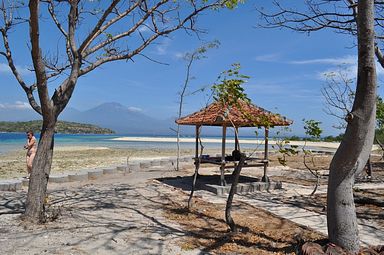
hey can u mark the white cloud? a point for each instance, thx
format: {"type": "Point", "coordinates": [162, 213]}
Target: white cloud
{"type": "Point", "coordinates": [135, 109]}
{"type": "Point", "coordinates": [162, 48]}
{"type": "Point", "coordinates": [4, 68]}
{"type": "Point", "coordinates": [16, 105]}
{"type": "Point", "coordinates": [144, 29]}
{"type": "Point", "coordinates": [379, 70]}
{"type": "Point", "coordinates": [346, 71]}
{"type": "Point", "coordinates": [268, 57]}
{"type": "Point", "coordinates": [346, 60]}
{"type": "Point", "coordinates": [349, 71]}
{"type": "Point", "coordinates": [179, 55]}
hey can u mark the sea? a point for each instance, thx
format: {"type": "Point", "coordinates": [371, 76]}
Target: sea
{"type": "Point", "coordinates": [15, 141]}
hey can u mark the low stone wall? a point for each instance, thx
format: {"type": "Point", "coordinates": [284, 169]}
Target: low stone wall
{"type": "Point", "coordinates": [94, 174]}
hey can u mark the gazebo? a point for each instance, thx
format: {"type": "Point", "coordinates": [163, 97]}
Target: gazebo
{"type": "Point", "coordinates": [243, 114]}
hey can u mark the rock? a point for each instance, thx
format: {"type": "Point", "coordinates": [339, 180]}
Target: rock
{"type": "Point", "coordinates": [58, 178]}
{"type": "Point", "coordinates": [95, 174]}
{"type": "Point", "coordinates": [79, 176]}
{"type": "Point", "coordinates": [111, 170]}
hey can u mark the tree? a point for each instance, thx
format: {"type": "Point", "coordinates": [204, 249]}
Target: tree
{"type": "Point", "coordinates": [350, 158]}
{"type": "Point", "coordinates": [229, 92]}
{"type": "Point", "coordinates": [379, 134]}
{"type": "Point", "coordinates": [95, 33]}
{"type": "Point", "coordinates": [313, 131]}
{"type": "Point", "coordinates": [355, 148]}
{"type": "Point", "coordinates": [339, 96]}
{"type": "Point", "coordinates": [338, 93]}
{"type": "Point", "coordinates": [190, 58]}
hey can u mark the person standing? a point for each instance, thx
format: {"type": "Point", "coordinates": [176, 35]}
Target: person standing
{"type": "Point", "coordinates": [31, 147]}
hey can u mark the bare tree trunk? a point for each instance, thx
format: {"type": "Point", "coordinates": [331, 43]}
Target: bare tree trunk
{"type": "Point", "coordinates": [40, 175]}
{"type": "Point", "coordinates": [197, 166]}
{"type": "Point", "coordinates": [178, 147]}
{"type": "Point", "coordinates": [314, 172]}
{"type": "Point", "coordinates": [228, 207]}
{"type": "Point", "coordinates": [316, 185]}
{"type": "Point", "coordinates": [354, 150]}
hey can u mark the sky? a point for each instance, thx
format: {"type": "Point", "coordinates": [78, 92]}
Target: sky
{"type": "Point", "coordinates": [286, 69]}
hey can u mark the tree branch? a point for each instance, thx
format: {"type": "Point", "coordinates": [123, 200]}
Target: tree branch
{"type": "Point", "coordinates": [145, 42]}
{"type": "Point", "coordinates": [318, 16]}
{"type": "Point", "coordinates": [8, 55]}
{"type": "Point", "coordinates": [51, 10]}
{"type": "Point", "coordinates": [64, 92]}
{"type": "Point", "coordinates": [379, 55]}
{"type": "Point", "coordinates": [97, 29]}
{"type": "Point", "coordinates": [126, 33]}
{"type": "Point", "coordinates": [37, 59]}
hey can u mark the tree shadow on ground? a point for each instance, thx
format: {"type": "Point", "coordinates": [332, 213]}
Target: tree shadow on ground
{"type": "Point", "coordinates": [108, 219]}
{"type": "Point", "coordinates": [185, 182]}
{"type": "Point", "coordinates": [12, 202]}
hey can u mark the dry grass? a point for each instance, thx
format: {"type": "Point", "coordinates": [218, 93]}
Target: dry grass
{"type": "Point", "coordinates": [260, 232]}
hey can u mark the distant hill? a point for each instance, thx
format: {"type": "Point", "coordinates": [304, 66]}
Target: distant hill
{"type": "Point", "coordinates": [120, 118]}
{"type": "Point", "coordinates": [63, 127]}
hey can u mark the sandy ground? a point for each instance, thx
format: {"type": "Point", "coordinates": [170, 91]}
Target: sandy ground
{"type": "Point", "coordinates": [329, 145]}
{"type": "Point", "coordinates": [75, 158]}
{"type": "Point", "coordinates": [135, 214]}
{"type": "Point", "coordinates": [118, 215]}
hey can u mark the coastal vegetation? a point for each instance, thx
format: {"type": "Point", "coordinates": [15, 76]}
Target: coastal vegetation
{"type": "Point", "coordinates": [62, 127]}
{"type": "Point", "coordinates": [328, 138]}
{"type": "Point", "coordinates": [197, 54]}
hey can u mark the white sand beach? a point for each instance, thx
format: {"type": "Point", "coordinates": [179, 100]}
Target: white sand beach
{"type": "Point", "coordinates": [330, 145]}
{"type": "Point", "coordinates": [323, 145]}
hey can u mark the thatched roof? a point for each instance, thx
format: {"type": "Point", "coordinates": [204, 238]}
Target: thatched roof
{"type": "Point", "coordinates": [248, 115]}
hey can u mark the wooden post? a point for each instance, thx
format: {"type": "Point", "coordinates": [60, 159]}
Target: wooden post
{"type": "Point", "coordinates": [236, 138]}
{"type": "Point", "coordinates": [197, 166]}
{"type": "Point", "coordinates": [222, 167]}
{"type": "Point", "coordinates": [265, 177]}
{"type": "Point", "coordinates": [197, 134]}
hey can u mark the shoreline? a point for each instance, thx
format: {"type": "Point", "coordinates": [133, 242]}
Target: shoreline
{"type": "Point", "coordinates": [329, 145]}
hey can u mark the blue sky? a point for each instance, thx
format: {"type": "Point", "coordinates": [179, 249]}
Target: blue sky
{"type": "Point", "coordinates": [286, 70]}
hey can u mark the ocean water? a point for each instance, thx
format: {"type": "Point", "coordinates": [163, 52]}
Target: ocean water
{"type": "Point", "coordinates": [15, 141]}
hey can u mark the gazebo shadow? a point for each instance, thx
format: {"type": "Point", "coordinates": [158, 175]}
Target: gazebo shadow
{"type": "Point", "coordinates": [211, 183]}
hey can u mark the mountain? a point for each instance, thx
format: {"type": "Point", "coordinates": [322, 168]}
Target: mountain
{"type": "Point", "coordinates": [121, 119]}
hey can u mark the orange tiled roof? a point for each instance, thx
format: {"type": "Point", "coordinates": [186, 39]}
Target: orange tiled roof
{"type": "Point", "coordinates": [217, 114]}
